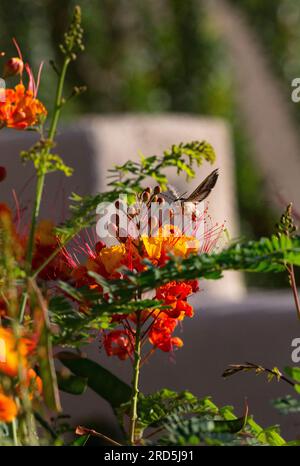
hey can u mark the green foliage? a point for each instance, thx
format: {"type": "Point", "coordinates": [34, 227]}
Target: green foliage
{"type": "Point", "coordinates": [197, 431]}
{"type": "Point", "coordinates": [265, 255]}
{"type": "Point", "coordinates": [185, 419]}
{"type": "Point", "coordinates": [287, 405]}
{"type": "Point", "coordinates": [80, 441]}
{"type": "Point", "coordinates": [76, 323]}
{"type": "Point", "coordinates": [128, 179]}
{"type": "Point", "coordinates": [70, 383]}
{"type": "Point", "coordinates": [293, 372]}
{"type": "Point", "coordinates": [73, 36]}
{"type": "Point", "coordinates": [99, 379]}
{"type": "Point", "coordinates": [183, 157]}
{"type": "Point", "coordinates": [43, 160]}
{"type": "Point", "coordinates": [286, 225]}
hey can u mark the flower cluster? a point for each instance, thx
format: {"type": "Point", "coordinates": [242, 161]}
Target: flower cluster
{"type": "Point", "coordinates": [19, 106]}
{"type": "Point", "coordinates": [15, 355]}
{"type": "Point", "coordinates": [46, 243]}
{"type": "Point", "coordinates": [134, 253]}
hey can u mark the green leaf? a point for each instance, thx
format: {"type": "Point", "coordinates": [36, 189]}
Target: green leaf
{"type": "Point", "coordinates": [70, 383]}
{"type": "Point", "coordinates": [80, 441]}
{"type": "Point", "coordinates": [99, 379]}
{"type": "Point", "coordinates": [287, 405]}
{"type": "Point", "coordinates": [297, 387]}
{"type": "Point", "coordinates": [293, 372]}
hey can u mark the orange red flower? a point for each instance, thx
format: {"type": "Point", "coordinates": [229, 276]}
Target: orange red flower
{"type": "Point", "coordinates": [34, 383]}
{"type": "Point", "coordinates": [12, 352]}
{"type": "Point", "coordinates": [20, 108]}
{"type": "Point", "coordinates": [46, 243]}
{"type": "Point", "coordinates": [161, 335]}
{"type": "Point", "coordinates": [8, 408]}
{"type": "Point", "coordinates": [118, 343]}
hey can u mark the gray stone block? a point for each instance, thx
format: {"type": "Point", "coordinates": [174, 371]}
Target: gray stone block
{"type": "Point", "coordinates": [94, 144]}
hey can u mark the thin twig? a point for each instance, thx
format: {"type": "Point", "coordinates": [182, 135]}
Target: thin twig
{"type": "Point", "coordinates": [81, 430]}
{"type": "Point", "coordinates": [293, 284]}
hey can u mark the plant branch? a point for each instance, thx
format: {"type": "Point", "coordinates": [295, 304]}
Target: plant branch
{"type": "Point", "coordinates": [81, 430]}
{"type": "Point", "coordinates": [135, 379]}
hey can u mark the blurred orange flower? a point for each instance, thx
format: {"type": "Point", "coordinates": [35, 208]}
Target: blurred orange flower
{"type": "Point", "coordinates": [8, 408]}
{"type": "Point", "coordinates": [10, 354]}
{"type": "Point", "coordinates": [21, 108]}
{"type": "Point", "coordinates": [34, 383]}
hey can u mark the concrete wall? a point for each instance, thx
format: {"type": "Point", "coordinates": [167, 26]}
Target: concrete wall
{"type": "Point", "coordinates": [95, 144]}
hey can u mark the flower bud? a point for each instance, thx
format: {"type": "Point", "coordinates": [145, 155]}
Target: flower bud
{"type": "Point", "coordinates": [146, 196]}
{"type": "Point", "coordinates": [157, 190]}
{"type": "Point", "coordinates": [13, 67]}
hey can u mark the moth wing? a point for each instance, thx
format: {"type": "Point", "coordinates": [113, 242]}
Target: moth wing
{"type": "Point", "coordinates": [171, 195]}
{"type": "Point", "coordinates": [204, 188]}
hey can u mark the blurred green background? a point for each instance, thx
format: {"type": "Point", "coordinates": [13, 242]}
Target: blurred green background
{"type": "Point", "coordinates": [162, 56]}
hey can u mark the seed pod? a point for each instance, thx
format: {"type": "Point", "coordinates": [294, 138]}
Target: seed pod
{"type": "Point", "coordinates": [146, 196]}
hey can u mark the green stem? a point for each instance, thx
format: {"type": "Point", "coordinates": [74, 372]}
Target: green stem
{"type": "Point", "coordinates": [14, 432]}
{"type": "Point", "coordinates": [293, 285]}
{"type": "Point", "coordinates": [41, 177]}
{"type": "Point", "coordinates": [58, 99]}
{"type": "Point", "coordinates": [37, 204]}
{"type": "Point", "coordinates": [135, 379]}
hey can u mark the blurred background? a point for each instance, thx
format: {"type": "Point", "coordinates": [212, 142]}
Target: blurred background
{"type": "Point", "coordinates": [173, 56]}
{"type": "Point", "coordinates": [229, 59]}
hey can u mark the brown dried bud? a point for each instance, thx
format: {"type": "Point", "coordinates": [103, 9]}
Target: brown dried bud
{"type": "Point", "coordinates": [146, 196]}
{"type": "Point", "coordinates": [157, 190]}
